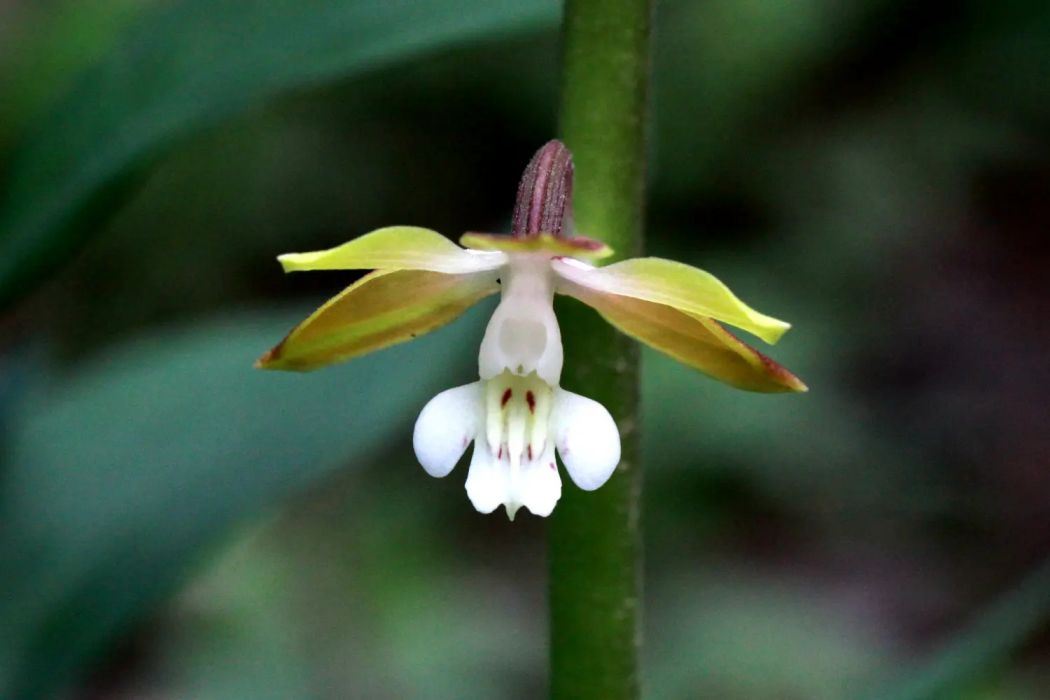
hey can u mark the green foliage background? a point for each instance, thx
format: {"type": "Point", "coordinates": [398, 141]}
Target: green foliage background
{"type": "Point", "coordinates": [173, 523]}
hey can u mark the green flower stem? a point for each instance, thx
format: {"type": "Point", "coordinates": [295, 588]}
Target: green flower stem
{"type": "Point", "coordinates": [595, 537]}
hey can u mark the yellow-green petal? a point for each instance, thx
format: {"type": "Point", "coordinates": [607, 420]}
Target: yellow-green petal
{"type": "Point", "coordinates": [680, 286]}
{"type": "Point", "coordinates": [381, 309]}
{"type": "Point", "coordinates": [699, 342]}
{"type": "Point", "coordinates": [395, 248]}
{"type": "Point", "coordinates": [575, 247]}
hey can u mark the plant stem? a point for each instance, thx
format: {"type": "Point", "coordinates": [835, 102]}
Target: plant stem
{"type": "Point", "coordinates": [595, 537]}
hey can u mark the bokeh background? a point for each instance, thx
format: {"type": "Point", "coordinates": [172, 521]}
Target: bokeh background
{"type": "Point", "coordinates": [176, 525]}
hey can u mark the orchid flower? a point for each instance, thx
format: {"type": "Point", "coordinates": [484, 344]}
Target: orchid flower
{"type": "Point", "coordinates": [517, 414]}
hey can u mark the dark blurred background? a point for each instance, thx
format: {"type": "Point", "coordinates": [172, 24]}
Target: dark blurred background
{"type": "Point", "coordinates": [174, 524]}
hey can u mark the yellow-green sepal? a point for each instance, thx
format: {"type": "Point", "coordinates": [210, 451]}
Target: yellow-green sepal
{"type": "Point", "coordinates": [381, 309]}
{"type": "Point", "coordinates": [701, 343]}
{"type": "Point", "coordinates": [677, 285]}
{"type": "Point", "coordinates": [395, 248]}
{"type": "Point", "coordinates": [576, 247]}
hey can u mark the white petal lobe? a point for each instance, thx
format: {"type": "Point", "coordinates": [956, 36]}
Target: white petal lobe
{"type": "Point", "coordinates": [487, 482]}
{"type": "Point", "coordinates": [587, 439]}
{"type": "Point", "coordinates": [539, 485]}
{"type": "Point", "coordinates": [445, 427]}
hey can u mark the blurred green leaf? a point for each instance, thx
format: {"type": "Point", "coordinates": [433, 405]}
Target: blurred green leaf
{"type": "Point", "coordinates": [51, 48]}
{"type": "Point", "coordinates": [733, 635]}
{"type": "Point", "coordinates": [121, 472]}
{"type": "Point", "coordinates": [187, 67]}
{"type": "Point", "coordinates": [725, 69]}
{"type": "Point", "coordinates": [984, 644]}
{"type": "Point", "coordinates": [226, 636]}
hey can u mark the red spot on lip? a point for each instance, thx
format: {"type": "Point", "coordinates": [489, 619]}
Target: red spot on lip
{"type": "Point", "coordinates": [530, 399]}
{"type": "Point", "coordinates": [530, 453]}
{"type": "Point", "coordinates": [499, 455]}
{"type": "Point", "coordinates": [553, 468]}
{"type": "Point", "coordinates": [507, 393]}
